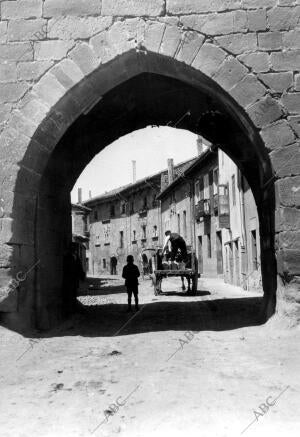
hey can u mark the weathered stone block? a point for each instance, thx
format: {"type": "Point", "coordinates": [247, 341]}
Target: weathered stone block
{"type": "Point", "coordinates": [85, 57]}
{"type": "Point", "coordinates": [257, 20]}
{"type": "Point", "coordinates": [286, 160]}
{"type": "Point", "coordinates": [32, 70]}
{"type": "Point", "coordinates": [238, 43]}
{"type": "Point", "coordinates": [22, 124]}
{"type": "Point", "coordinates": [21, 9]}
{"type": "Point", "coordinates": [153, 36]}
{"type": "Point", "coordinates": [12, 92]}
{"type": "Point", "coordinates": [265, 111]}
{"type": "Point", "coordinates": [121, 37]}
{"type": "Point", "coordinates": [192, 42]}
{"type": "Point", "coordinates": [287, 219]}
{"type": "Point", "coordinates": [16, 52]}
{"type": "Point", "coordinates": [68, 73]}
{"type": "Point", "coordinates": [54, 8]}
{"type": "Point", "coordinates": [258, 62]}
{"type": "Point", "coordinates": [4, 114]}
{"type": "Point", "coordinates": [288, 191]}
{"type": "Point", "coordinates": [49, 82]}
{"type": "Point", "coordinates": [8, 72]}
{"type": "Point", "coordinates": [297, 82]}
{"type": "Point", "coordinates": [277, 82]}
{"type": "Point", "coordinates": [277, 134]}
{"type": "Point", "coordinates": [270, 41]}
{"type": "Point", "coordinates": [295, 123]}
{"type": "Point", "coordinates": [254, 4]}
{"type": "Point", "coordinates": [195, 6]}
{"type": "Point", "coordinates": [219, 24]}
{"type": "Point", "coordinates": [230, 73]}
{"type": "Point", "coordinates": [288, 262]}
{"type": "Point", "coordinates": [24, 30]}
{"type": "Point", "coordinates": [291, 40]}
{"type": "Point", "coordinates": [292, 102]}
{"type": "Point", "coordinates": [170, 44]}
{"type": "Point", "coordinates": [209, 59]}
{"type": "Point", "coordinates": [248, 91]}
{"type": "Point", "coordinates": [34, 109]}
{"type": "Point", "coordinates": [280, 18]}
{"type": "Point", "coordinates": [3, 31]}
{"type": "Point", "coordinates": [289, 60]}
{"type": "Point", "coordinates": [73, 27]}
{"type": "Point", "coordinates": [135, 8]}
{"type": "Point", "coordinates": [51, 50]}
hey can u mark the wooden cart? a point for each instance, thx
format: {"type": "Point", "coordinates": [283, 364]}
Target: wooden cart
{"type": "Point", "coordinates": [189, 273]}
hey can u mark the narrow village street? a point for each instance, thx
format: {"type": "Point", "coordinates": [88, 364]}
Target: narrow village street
{"type": "Point", "coordinates": [183, 365]}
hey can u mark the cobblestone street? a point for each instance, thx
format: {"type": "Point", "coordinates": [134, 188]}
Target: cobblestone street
{"type": "Point", "coordinates": [196, 365]}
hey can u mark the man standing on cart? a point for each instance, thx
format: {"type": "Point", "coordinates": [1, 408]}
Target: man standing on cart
{"type": "Point", "coordinates": [175, 244]}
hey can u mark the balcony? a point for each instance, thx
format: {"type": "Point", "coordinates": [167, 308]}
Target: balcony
{"type": "Point", "coordinates": [202, 209]}
{"type": "Point", "coordinates": [224, 211]}
{"type": "Point", "coordinates": [216, 203]}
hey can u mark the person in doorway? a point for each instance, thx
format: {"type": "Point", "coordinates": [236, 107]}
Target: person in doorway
{"type": "Point", "coordinates": [73, 273]}
{"type": "Point", "coordinates": [175, 243]}
{"type": "Point", "coordinates": [113, 265]}
{"type": "Point", "coordinates": [131, 274]}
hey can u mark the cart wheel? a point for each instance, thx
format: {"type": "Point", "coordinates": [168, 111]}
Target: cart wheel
{"type": "Point", "coordinates": [157, 286]}
{"type": "Point", "coordinates": [195, 284]}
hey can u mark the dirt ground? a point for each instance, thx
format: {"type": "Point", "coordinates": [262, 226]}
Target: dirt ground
{"type": "Point", "coordinates": [183, 365]}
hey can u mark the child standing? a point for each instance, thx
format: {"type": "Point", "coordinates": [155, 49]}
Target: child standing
{"type": "Point", "coordinates": [131, 274]}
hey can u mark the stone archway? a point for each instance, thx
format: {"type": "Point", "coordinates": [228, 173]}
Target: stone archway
{"type": "Point", "coordinates": [104, 89]}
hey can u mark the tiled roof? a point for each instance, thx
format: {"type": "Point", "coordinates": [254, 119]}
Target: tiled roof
{"type": "Point", "coordinates": [178, 169]}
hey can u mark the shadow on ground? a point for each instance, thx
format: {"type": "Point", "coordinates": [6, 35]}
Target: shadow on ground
{"type": "Point", "coordinates": [110, 320]}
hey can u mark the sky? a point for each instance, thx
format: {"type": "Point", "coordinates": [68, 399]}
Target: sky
{"type": "Point", "coordinates": [149, 147]}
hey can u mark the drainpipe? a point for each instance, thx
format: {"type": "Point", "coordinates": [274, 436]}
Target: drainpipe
{"type": "Point", "coordinates": [192, 213]}
{"type": "Point", "coordinates": [243, 223]}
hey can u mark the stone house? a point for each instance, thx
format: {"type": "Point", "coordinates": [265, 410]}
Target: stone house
{"type": "Point", "coordinates": [213, 208]}
{"type": "Point", "coordinates": [80, 231]}
{"type": "Point", "coordinates": [125, 221]}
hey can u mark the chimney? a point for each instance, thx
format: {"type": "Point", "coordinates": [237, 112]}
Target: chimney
{"type": "Point", "coordinates": [79, 195]}
{"type": "Point", "coordinates": [90, 194]}
{"type": "Point", "coordinates": [199, 145]}
{"type": "Point", "coordinates": [170, 170]}
{"type": "Point", "coordinates": [133, 172]}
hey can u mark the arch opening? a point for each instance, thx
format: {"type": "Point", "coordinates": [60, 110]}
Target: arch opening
{"type": "Point", "coordinates": [127, 94]}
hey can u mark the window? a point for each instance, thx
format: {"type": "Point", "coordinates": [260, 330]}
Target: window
{"type": "Point", "coordinates": [201, 188]}
{"type": "Point", "coordinates": [121, 239]}
{"type": "Point", "coordinates": [134, 235]}
{"type": "Point", "coordinates": [233, 189]}
{"type": "Point", "coordinates": [208, 246]}
{"type": "Point", "coordinates": [178, 223]}
{"type": "Point", "coordinates": [211, 182]}
{"type": "Point", "coordinates": [95, 215]}
{"type": "Point", "coordinates": [132, 207]}
{"type": "Point", "coordinates": [216, 180]}
{"type": "Point", "coordinates": [104, 263]}
{"type": "Point", "coordinates": [123, 207]}
{"type": "Point", "coordinates": [112, 210]}
{"type": "Point", "coordinates": [197, 191]}
{"type": "Point", "coordinates": [254, 250]}
{"type": "Point", "coordinates": [144, 232]}
{"type": "Point", "coordinates": [184, 225]}
{"type": "Point", "coordinates": [206, 186]}
{"type": "Point", "coordinates": [106, 234]}
{"type": "Point", "coordinates": [97, 240]}
{"type": "Point", "coordinates": [154, 231]}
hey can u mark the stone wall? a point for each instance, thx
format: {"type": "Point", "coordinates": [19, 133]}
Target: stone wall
{"type": "Point", "coordinates": [50, 52]}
